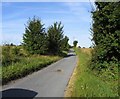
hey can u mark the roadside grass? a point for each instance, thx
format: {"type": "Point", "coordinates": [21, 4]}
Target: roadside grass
{"type": "Point", "coordinates": [86, 83]}
{"type": "Point", "coordinates": [26, 66]}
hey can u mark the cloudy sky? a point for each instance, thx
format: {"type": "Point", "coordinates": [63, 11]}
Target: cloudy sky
{"type": "Point", "coordinates": [75, 16]}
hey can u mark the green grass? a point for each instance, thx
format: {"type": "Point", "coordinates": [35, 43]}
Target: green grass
{"type": "Point", "coordinates": [86, 83]}
{"type": "Point", "coordinates": [26, 66]}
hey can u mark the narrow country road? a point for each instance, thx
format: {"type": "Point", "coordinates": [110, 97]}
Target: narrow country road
{"type": "Point", "coordinates": [48, 82]}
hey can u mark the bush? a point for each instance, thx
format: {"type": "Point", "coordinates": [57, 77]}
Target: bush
{"type": "Point", "coordinates": [6, 56]}
{"type": "Point", "coordinates": [106, 34]}
{"type": "Point", "coordinates": [11, 54]}
{"type": "Point", "coordinates": [26, 66]}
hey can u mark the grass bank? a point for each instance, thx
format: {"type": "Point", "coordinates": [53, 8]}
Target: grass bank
{"type": "Point", "coordinates": [26, 66]}
{"type": "Point", "coordinates": [85, 83]}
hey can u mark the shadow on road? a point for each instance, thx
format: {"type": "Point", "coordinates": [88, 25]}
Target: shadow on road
{"type": "Point", "coordinates": [71, 52]}
{"type": "Point", "coordinates": [18, 93]}
{"type": "Point", "coordinates": [70, 55]}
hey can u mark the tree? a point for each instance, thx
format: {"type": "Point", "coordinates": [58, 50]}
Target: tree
{"type": "Point", "coordinates": [106, 34]}
{"type": "Point", "coordinates": [34, 38]}
{"type": "Point", "coordinates": [75, 43]}
{"type": "Point", "coordinates": [55, 37]}
{"type": "Point", "coordinates": [12, 44]}
{"type": "Point", "coordinates": [65, 45]}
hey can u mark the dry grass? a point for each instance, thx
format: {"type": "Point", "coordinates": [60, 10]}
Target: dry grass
{"type": "Point", "coordinates": [86, 50]}
{"type": "Point", "coordinates": [84, 83]}
{"type": "Point", "coordinates": [69, 89]}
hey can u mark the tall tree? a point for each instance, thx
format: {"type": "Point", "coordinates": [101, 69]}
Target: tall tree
{"type": "Point", "coordinates": [75, 43]}
{"type": "Point", "coordinates": [106, 34]}
{"type": "Point", "coordinates": [34, 38]}
{"type": "Point", "coordinates": [65, 45]}
{"type": "Point", "coordinates": [55, 37]}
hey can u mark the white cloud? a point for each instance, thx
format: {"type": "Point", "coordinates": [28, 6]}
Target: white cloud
{"type": "Point", "coordinates": [48, 0]}
{"type": "Point", "coordinates": [80, 10]}
{"type": "Point", "coordinates": [76, 8]}
{"type": "Point", "coordinates": [0, 23]}
{"type": "Point", "coordinates": [7, 3]}
{"type": "Point", "coordinates": [83, 39]}
{"type": "Point", "coordinates": [76, 24]}
{"type": "Point", "coordinates": [59, 1]}
{"type": "Point", "coordinates": [15, 38]}
{"type": "Point", "coordinates": [37, 11]}
{"type": "Point", "coordinates": [12, 31]}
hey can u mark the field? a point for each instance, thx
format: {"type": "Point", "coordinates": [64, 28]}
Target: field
{"type": "Point", "coordinates": [85, 83]}
{"type": "Point", "coordinates": [21, 65]}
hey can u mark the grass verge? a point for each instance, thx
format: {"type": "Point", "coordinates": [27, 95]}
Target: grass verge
{"type": "Point", "coordinates": [84, 83]}
{"type": "Point", "coordinates": [26, 66]}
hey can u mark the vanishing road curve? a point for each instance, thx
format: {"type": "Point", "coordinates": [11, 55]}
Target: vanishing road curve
{"type": "Point", "coordinates": [48, 82]}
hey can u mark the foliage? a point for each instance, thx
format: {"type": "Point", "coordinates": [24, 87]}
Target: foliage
{"type": "Point", "coordinates": [106, 35]}
{"type": "Point", "coordinates": [87, 84]}
{"type": "Point", "coordinates": [10, 54]}
{"type": "Point", "coordinates": [18, 61]}
{"type": "Point", "coordinates": [26, 66]}
{"type": "Point", "coordinates": [65, 45]}
{"type": "Point", "coordinates": [75, 43]}
{"type": "Point", "coordinates": [56, 40]}
{"type": "Point", "coordinates": [34, 39]}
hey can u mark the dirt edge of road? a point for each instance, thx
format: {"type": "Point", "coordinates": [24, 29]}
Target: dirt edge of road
{"type": "Point", "coordinates": [70, 85]}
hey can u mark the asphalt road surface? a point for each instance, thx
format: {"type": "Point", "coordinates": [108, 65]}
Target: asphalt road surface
{"type": "Point", "coordinates": [48, 82]}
